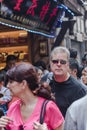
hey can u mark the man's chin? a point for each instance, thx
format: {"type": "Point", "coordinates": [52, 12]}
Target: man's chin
{"type": "Point", "coordinates": [58, 74]}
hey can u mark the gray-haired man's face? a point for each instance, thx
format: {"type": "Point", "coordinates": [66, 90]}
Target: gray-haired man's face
{"type": "Point", "coordinates": [59, 64]}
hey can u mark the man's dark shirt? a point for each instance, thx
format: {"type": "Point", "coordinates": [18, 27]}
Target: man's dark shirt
{"type": "Point", "coordinates": [67, 92]}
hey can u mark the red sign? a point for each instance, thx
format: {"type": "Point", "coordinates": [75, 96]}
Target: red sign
{"type": "Point", "coordinates": [37, 16]}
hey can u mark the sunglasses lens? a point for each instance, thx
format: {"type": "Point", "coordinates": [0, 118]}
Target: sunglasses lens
{"type": "Point", "coordinates": [62, 61]}
{"type": "Point", "coordinates": [55, 61]}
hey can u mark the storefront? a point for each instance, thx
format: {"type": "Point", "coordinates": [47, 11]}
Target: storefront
{"type": "Point", "coordinates": [38, 18]}
{"type": "Point", "coordinates": [16, 43]}
{"type": "Point", "coordinates": [42, 19]}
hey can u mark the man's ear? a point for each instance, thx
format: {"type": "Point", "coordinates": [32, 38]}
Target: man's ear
{"type": "Point", "coordinates": [75, 71]}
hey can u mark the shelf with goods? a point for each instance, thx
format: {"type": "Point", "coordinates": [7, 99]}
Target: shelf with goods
{"type": "Point", "coordinates": [16, 43]}
{"type": "Point", "coordinates": [21, 52]}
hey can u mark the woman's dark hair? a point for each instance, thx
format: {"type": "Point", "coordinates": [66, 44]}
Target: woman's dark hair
{"type": "Point", "coordinates": [41, 64]}
{"type": "Point", "coordinates": [26, 71]}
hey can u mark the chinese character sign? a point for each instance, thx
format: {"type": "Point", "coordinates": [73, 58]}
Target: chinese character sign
{"type": "Point", "coordinates": [38, 16]}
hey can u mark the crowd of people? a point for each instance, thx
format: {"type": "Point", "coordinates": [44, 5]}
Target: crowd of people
{"type": "Point", "coordinates": [64, 87]}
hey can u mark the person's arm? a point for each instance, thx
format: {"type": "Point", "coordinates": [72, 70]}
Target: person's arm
{"type": "Point", "coordinates": [7, 97]}
{"type": "Point", "coordinates": [60, 127]}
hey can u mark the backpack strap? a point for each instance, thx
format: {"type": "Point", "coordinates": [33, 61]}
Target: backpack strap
{"type": "Point", "coordinates": [43, 111]}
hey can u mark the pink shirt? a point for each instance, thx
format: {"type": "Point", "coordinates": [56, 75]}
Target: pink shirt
{"type": "Point", "coordinates": [53, 117]}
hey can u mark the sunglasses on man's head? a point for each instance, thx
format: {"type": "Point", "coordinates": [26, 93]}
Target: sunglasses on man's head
{"type": "Point", "coordinates": [63, 62]}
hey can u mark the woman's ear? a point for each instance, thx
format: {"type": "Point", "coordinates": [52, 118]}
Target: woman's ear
{"type": "Point", "coordinates": [24, 83]}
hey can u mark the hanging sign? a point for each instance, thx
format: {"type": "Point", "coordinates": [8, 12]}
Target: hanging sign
{"type": "Point", "coordinates": [37, 16]}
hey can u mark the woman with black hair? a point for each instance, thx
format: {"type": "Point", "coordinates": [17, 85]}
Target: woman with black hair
{"type": "Point", "coordinates": [24, 114]}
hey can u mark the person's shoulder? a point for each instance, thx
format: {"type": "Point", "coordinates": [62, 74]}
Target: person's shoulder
{"type": "Point", "coordinates": [73, 79]}
{"type": "Point", "coordinates": [13, 107]}
{"type": "Point", "coordinates": [77, 111]}
{"type": "Point", "coordinates": [78, 88]}
{"type": "Point", "coordinates": [4, 89]}
{"type": "Point", "coordinates": [52, 110]}
{"type": "Point", "coordinates": [76, 82]}
{"type": "Point", "coordinates": [51, 105]}
{"type": "Point", "coordinates": [14, 104]}
{"type": "Point", "coordinates": [78, 104]}
{"type": "Point", "coordinates": [78, 108]}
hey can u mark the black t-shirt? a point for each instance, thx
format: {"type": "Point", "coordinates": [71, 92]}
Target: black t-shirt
{"type": "Point", "coordinates": [67, 92]}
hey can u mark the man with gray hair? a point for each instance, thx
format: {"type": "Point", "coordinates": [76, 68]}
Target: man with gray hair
{"type": "Point", "coordinates": [65, 87]}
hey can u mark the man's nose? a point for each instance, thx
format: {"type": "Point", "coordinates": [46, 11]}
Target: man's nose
{"type": "Point", "coordinates": [58, 63]}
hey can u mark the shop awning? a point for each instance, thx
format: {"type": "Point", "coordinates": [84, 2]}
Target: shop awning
{"type": "Point", "coordinates": [36, 16]}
